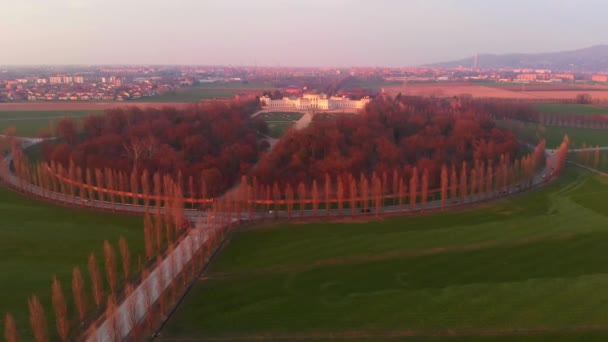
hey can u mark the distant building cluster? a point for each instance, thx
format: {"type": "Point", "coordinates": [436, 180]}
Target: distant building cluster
{"type": "Point", "coordinates": [84, 88]}
{"type": "Point", "coordinates": [314, 101]}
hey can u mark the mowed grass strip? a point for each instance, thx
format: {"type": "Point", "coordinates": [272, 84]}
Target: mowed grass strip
{"type": "Point", "coordinates": [30, 123]}
{"type": "Point", "coordinates": [39, 240]}
{"type": "Point", "coordinates": [563, 108]}
{"type": "Point", "coordinates": [279, 122]}
{"type": "Point", "coordinates": [554, 135]}
{"type": "Point", "coordinates": [533, 262]}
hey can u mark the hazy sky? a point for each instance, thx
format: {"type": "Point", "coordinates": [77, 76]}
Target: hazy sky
{"type": "Point", "coordinates": [290, 32]}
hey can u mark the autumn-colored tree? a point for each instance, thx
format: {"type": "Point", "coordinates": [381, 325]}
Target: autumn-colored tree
{"type": "Point", "coordinates": [490, 180]}
{"type": "Point", "coordinates": [453, 184]}
{"type": "Point", "coordinates": [395, 184]}
{"type": "Point", "coordinates": [146, 291]}
{"type": "Point", "coordinates": [463, 182]}
{"type": "Point", "coordinates": [132, 318]}
{"type": "Point", "coordinates": [481, 180]}
{"type": "Point", "coordinates": [61, 310]}
{"type": "Point", "coordinates": [315, 198]}
{"type": "Point", "coordinates": [38, 319]}
{"type": "Point", "coordinates": [78, 293]}
{"type": "Point", "coordinates": [425, 188]}
{"type": "Point", "coordinates": [327, 193]}
{"type": "Point", "coordinates": [402, 192]}
{"type": "Point", "coordinates": [125, 256]}
{"type": "Point", "coordinates": [340, 195]}
{"type": "Point", "coordinates": [160, 284]}
{"type": "Point", "coordinates": [112, 319]}
{"type": "Point", "coordinates": [11, 334]}
{"type": "Point", "coordinates": [301, 197]}
{"type": "Point", "coordinates": [413, 188]}
{"type": "Point", "coordinates": [110, 263]}
{"type": "Point", "coordinates": [353, 194]}
{"type": "Point", "coordinates": [444, 185]}
{"type": "Point", "coordinates": [364, 186]}
{"type": "Point", "coordinates": [96, 282]}
{"type": "Point", "coordinates": [289, 199]}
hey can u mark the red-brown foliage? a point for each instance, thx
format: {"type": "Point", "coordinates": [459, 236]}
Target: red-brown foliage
{"type": "Point", "coordinates": [216, 140]}
{"type": "Point", "coordinates": [389, 135]}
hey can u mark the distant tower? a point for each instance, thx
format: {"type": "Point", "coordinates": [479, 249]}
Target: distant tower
{"type": "Point", "coordinates": [476, 61]}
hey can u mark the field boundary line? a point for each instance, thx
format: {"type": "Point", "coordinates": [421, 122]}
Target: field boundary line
{"type": "Point", "coordinates": [371, 334]}
{"type": "Point", "coordinates": [385, 256]}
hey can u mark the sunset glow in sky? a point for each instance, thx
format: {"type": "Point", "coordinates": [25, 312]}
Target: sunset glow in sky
{"type": "Point", "coordinates": [291, 32]}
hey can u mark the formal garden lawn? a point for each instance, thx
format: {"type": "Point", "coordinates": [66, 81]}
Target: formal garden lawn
{"type": "Point", "coordinates": [279, 122]}
{"type": "Point", "coordinates": [535, 262]}
{"type": "Point", "coordinates": [30, 123]}
{"type": "Point", "coordinates": [39, 240]}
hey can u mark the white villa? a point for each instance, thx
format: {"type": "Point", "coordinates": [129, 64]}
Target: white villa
{"type": "Point", "coordinates": [314, 101]}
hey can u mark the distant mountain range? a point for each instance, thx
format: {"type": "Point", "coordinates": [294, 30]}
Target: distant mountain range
{"type": "Point", "coordinates": [593, 59]}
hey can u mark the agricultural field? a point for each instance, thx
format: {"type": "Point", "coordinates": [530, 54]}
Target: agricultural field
{"type": "Point", "coordinates": [499, 92]}
{"type": "Point", "coordinates": [193, 94]}
{"type": "Point", "coordinates": [533, 263]}
{"type": "Point", "coordinates": [560, 108]}
{"type": "Point", "coordinates": [30, 123]}
{"type": "Point", "coordinates": [39, 240]}
{"type": "Point", "coordinates": [208, 91]}
{"type": "Point", "coordinates": [279, 122]}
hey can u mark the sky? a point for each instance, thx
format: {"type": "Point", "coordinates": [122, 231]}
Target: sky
{"type": "Point", "coordinates": [342, 33]}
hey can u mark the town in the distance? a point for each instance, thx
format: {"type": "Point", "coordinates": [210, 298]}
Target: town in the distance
{"type": "Point", "coordinates": [157, 83]}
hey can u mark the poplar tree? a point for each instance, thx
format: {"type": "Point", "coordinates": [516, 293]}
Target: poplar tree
{"type": "Point", "coordinates": [78, 293]}
{"type": "Point", "coordinates": [11, 334]}
{"type": "Point", "coordinates": [38, 319]}
{"type": "Point", "coordinates": [425, 188]}
{"type": "Point", "coordinates": [96, 282]}
{"type": "Point", "coordinates": [444, 185]}
{"type": "Point", "coordinates": [413, 188]}
{"type": "Point", "coordinates": [61, 310]}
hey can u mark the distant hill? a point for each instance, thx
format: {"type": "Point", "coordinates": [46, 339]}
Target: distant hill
{"type": "Point", "coordinates": [593, 58]}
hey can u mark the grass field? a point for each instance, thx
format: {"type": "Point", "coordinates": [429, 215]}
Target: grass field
{"type": "Point", "coordinates": [533, 262]}
{"type": "Point", "coordinates": [191, 95]}
{"type": "Point", "coordinates": [29, 123]}
{"type": "Point", "coordinates": [555, 135]}
{"type": "Point", "coordinates": [279, 122]}
{"type": "Point", "coordinates": [38, 240]}
{"type": "Point", "coordinates": [559, 108]}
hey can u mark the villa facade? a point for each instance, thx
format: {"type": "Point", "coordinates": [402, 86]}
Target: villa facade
{"type": "Point", "coordinates": [314, 101]}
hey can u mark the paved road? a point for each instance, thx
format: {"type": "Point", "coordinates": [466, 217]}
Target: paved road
{"type": "Point", "coordinates": [135, 305]}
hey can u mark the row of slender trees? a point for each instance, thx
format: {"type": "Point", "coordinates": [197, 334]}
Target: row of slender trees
{"type": "Point", "coordinates": [112, 283]}
{"type": "Point", "coordinates": [592, 157]}
{"type": "Point", "coordinates": [400, 186]}
{"type": "Point", "coordinates": [574, 120]}
{"type": "Point", "coordinates": [164, 199]}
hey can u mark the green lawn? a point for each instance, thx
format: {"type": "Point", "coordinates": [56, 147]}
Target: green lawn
{"type": "Point", "coordinates": [560, 108]}
{"type": "Point", "coordinates": [536, 261]}
{"type": "Point", "coordinates": [39, 240]}
{"type": "Point", "coordinates": [234, 85]}
{"type": "Point", "coordinates": [192, 94]}
{"type": "Point", "coordinates": [29, 123]}
{"type": "Point", "coordinates": [281, 116]}
{"type": "Point", "coordinates": [555, 135]}
{"type": "Point", "coordinates": [279, 122]}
